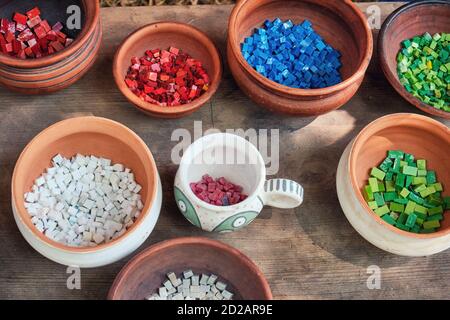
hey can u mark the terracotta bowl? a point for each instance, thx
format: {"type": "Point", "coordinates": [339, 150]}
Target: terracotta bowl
{"type": "Point", "coordinates": [88, 136]}
{"type": "Point", "coordinates": [163, 35]}
{"type": "Point", "coordinates": [426, 139]}
{"type": "Point", "coordinates": [340, 23]}
{"type": "Point", "coordinates": [408, 21]}
{"type": "Point", "coordinates": [62, 69]}
{"type": "Point", "coordinates": [145, 273]}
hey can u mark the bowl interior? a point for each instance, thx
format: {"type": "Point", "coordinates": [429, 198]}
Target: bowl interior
{"type": "Point", "coordinates": [338, 24]}
{"type": "Point", "coordinates": [417, 20]}
{"type": "Point", "coordinates": [52, 11]}
{"type": "Point", "coordinates": [418, 135]}
{"type": "Point", "coordinates": [163, 36]}
{"type": "Point", "coordinates": [149, 271]}
{"type": "Point", "coordinates": [87, 136]}
{"type": "Point", "coordinates": [408, 23]}
{"type": "Point", "coordinates": [223, 155]}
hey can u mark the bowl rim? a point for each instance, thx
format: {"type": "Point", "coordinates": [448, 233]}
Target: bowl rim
{"type": "Point", "coordinates": [144, 106]}
{"type": "Point", "coordinates": [265, 82]}
{"type": "Point", "coordinates": [392, 77]}
{"type": "Point", "coordinates": [91, 22]}
{"type": "Point", "coordinates": [221, 137]}
{"type": "Point", "coordinates": [352, 164]}
{"type": "Point", "coordinates": [17, 195]}
{"type": "Point", "coordinates": [199, 241]}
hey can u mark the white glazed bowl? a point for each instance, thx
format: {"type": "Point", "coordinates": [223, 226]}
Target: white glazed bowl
{"type": "Point", "coordinates": [426, 139]}
{"type": "Point", "coordinates": [239, 161]}
{"type": "Point", "coordinates": [88, 136]}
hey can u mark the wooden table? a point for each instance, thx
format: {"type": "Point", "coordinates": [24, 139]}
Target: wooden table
{"type": "Point", "coordinates": [308, 253]}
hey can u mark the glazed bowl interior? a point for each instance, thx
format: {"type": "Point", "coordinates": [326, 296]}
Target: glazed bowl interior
{"type": "Point", "coordinates": [51, 10]}
{"type": "Point", "coordinates": [145, 273]}
{"type": "Point", "coordinates": [223, 155]}
{"type": "Point", "coordinates": [87, 136]}
{"type": "Point", "coordinates": [412, 20]}
{"type": "Point", "coordinates": [418, 135]}
{"type": "Point", "coordinates": [163, 36]}
{"type": "Point", "coordinates": [340, 25]}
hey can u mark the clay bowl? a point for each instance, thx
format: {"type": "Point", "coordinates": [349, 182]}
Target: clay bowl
{"type": "Point", "coordinates": [340, 23]}
{"type": "Point", "coordinates": [87, 136]}
{"type": "Point", "coordinates": [408, 21]}
{"type": "Point", "coordinates": [163, 35]}
{"type": "Point", "coordinates": [426, 139]}
{"type": "Point", "coordinates": [62, 69]}
{"type": "Point", "coordinates": [144, 274]}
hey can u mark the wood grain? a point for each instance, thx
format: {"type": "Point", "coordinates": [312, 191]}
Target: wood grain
{"type": "Point", "coordinates": [308, 253]}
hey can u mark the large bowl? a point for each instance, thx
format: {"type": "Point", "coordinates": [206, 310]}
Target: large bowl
{"type": "Point", "coordinates": [406, 22]}
{"type": "Point", "coordinates": [145, 273]}
{"type": "Point", "coordinates": [419, 135]}
{"type": "Point", "coordinates": [340, 23]}
{"type": "Point", "coordinates": [87, 136]}
{"type": "Point", "coordinates": [64, 68]}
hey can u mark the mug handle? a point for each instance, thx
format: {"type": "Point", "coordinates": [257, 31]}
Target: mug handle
{"type": "Point", "coordinates": [282, 193]}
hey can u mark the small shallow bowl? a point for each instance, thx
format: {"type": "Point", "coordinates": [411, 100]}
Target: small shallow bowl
{"type": "Point", "coordinates": [88, 136]}
{"type": "Point", "coordinates": [426, 139]}
{"type": "Point", "coordinates": [163, 35]}
{"type": "Point", "coordinates": [59, 70]}
{"type": "Point", "coordinates": [406, 22]}
{"type": "Point", "coordinates": [146, 272]}
{"type": "Point", "coordinates": [340, 23]}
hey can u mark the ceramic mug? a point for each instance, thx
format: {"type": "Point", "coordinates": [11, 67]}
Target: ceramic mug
{"type": "Point", "coordinates": [236, 159]}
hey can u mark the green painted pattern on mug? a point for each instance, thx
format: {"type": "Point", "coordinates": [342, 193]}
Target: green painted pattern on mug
{"type": "Point", "coordinates": [186, 208]}
{"type": "Point", "coordinates": [260, 200]}
{"type": "Point", "coordinates": [236, 222]}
